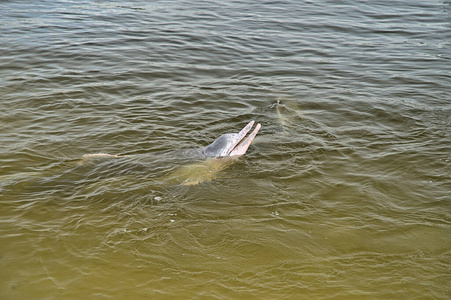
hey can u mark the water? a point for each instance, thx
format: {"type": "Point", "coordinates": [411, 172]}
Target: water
{"type": "Point", "coordinates": [344, 195]}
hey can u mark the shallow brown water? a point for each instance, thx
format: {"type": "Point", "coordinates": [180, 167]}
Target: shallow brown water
{"type": "Point", "coordinates": [345, 193]}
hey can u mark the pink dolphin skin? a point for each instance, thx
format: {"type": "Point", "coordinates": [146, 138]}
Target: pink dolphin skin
{"type": "Point", "coordinates": [232, 144]}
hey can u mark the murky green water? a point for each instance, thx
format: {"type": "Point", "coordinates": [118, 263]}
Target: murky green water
{"type": "Point", "coordinates": [345, 193]}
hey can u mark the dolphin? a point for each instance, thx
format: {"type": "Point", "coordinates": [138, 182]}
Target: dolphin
{"type": "Point", "coordinates": [216, 157]}
{"type": "Point", "coordinates": [229, 144]}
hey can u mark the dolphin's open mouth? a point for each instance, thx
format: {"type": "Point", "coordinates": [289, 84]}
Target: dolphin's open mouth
{"type": "Point", "coordinates": [244, 143]}
{"type": "Point", "coordinates": [232, 144]}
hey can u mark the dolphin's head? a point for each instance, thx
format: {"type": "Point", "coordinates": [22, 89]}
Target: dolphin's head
{"type": "Point", "coordinates": [232, 144]}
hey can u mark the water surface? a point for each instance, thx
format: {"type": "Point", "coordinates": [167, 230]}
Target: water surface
{"type": "Point", "coordinates": [345, 193]}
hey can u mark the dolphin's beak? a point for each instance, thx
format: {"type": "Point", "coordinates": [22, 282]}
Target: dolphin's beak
{"type": "Point", "coordinates": [244, 143]}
